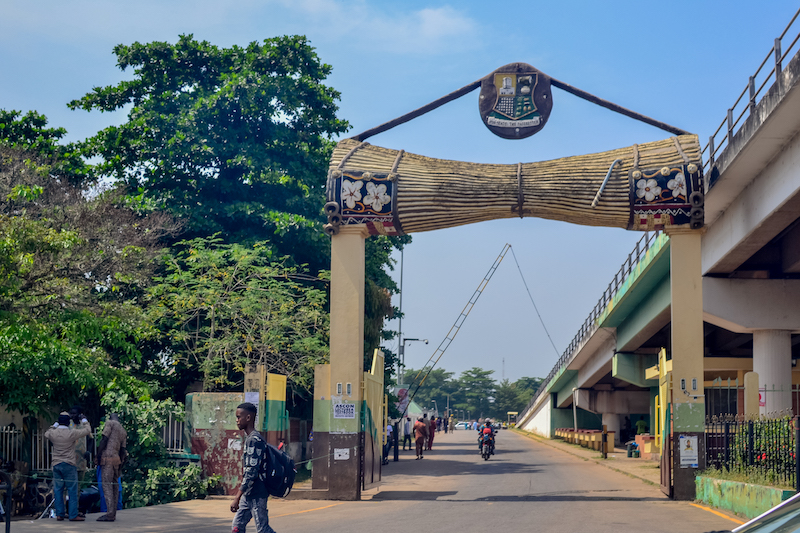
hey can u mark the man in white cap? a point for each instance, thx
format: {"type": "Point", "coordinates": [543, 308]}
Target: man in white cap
{"type": "Point", "coordinates": [65, 473]}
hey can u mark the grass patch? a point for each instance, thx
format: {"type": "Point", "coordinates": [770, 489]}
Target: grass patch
{"type": "Point", "coordinates": [744, 476]}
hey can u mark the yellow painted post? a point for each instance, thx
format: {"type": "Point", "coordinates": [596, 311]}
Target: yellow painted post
{"type": "Point", "coordinates": [751, 393]}
{"type": "Point", "coordinates": [688, 397]}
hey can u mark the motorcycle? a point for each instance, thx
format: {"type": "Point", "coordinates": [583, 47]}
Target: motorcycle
{"type": "Point", "coordinates": [487, 446]}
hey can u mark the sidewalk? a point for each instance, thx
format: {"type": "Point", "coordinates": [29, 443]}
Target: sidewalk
{"type": "Point", "coordinates": [644, 469]}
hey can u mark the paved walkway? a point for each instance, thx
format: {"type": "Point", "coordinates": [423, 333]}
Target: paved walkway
{"type": "Point", "coordinates": [643, 469]}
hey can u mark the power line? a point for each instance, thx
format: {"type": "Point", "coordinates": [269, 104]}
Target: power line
{"type": "Point", "coordinates": [534, 303]}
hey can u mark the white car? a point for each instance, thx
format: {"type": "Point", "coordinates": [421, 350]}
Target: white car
{"type": "Point", "coordinates": [463, 425]}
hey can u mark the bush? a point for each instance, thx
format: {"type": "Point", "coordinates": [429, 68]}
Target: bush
{"type": "Point", "coordinates": [168, 484]}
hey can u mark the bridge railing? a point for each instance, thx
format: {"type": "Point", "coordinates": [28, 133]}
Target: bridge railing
{"type": "Point", "coordinates": [590, 324]}
{"type": "Point", "coordinates": [752, 92]}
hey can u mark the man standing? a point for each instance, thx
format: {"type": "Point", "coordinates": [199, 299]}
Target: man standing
{"type": "Point", "coordinates": [250, 500]}
{"type": "Point", "coordinates": [407, 433]}
{"type": "Point", "coordinates": [431, 432]}
{"type": "Point", "coordinates": [64, 470]}
{"type": "Point", "coordinates": [420, 435]}
{"type": "Point", "coordinates": [112, 453]}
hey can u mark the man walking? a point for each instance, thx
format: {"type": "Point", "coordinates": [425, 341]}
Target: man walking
{"type": "Point", "coordinates": [65, 473]}
{"type": "Point", "coordinates": [112, 453]}
{"type": "Point", "coordinates": [421, 435]}
{"type": "Point", "coordinates": [431, 432]}
{"type": "Point", "coordinates": [407, 433]}
{"type": "Point", "coordinates": [250, 500]}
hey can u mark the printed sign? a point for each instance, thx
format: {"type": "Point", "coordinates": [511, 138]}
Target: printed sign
{"type": "Point", "coordinates": [235, 444]}
{"type": "Point", "coordinates": [251, 397]}
{"type": "Point", "coordinates": [344, 410]}
{"type": "Point", "coordinates": [762, 397]}
{"type": "Point", "coordinates": [687, 446]}
{"type": "Point", "coordinates": [341, 454]}
{"type": "Point", "coordinates": [515, 101]}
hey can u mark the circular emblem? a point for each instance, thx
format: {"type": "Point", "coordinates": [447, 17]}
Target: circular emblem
{"type": "Point", "coordinates": [515, 101]}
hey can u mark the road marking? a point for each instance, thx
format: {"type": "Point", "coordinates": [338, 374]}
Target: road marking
{"type": "Point", "coordinates": [723, 515]}
{"type": "Point", "coordinates": [307, 510]}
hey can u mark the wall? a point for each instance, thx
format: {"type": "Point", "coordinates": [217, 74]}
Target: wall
{"type": "Point", "coordinates": [539, 422]}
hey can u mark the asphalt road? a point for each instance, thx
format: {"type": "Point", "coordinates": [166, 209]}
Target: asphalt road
{"type": "Point", "coordinates": [526, 486]}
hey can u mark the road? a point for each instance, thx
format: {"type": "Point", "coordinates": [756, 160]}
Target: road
{"type": "Point", "coordinates": [526, 486]}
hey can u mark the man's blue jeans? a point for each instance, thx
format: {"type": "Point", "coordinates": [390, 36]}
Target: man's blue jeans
{"type": "Point", "coordinates": [255, 508]}
{"type": "Point", "coordinates": [65, 474]}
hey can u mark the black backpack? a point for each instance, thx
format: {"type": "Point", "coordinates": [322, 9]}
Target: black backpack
{"type": "Point", "coordinates": [280, 472]}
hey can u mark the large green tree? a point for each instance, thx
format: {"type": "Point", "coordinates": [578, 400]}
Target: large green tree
{"type": "Point", "coordinates": [73, 269]}
{"type": "Point", "coordinates": [233, 141]}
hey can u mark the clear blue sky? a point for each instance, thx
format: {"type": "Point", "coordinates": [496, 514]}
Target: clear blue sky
{"type": "Point", "coordinates": [682, 62]}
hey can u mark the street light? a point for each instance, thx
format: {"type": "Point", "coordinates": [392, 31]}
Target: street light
{"type": "Point", "coordinates": [435, 408]}
{"type": "Point", "coordinates": [402, 350]}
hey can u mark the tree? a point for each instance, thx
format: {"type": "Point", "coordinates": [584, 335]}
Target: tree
{"type": "Point", "coordinates": [234, 141]}
{"type": "Point", "coordinates": [72, 270]}
{"type": "Point", "coordinates": [437, 385]}
{"type": "Point", "coordinates": [28, 133]}
{"type": "Point", "coordinates": [477, 387]}
{"type": "Point", "coordinates": [229, 305]}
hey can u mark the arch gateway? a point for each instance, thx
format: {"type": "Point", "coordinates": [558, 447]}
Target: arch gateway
{"type": "Point", "coordinates": [378, 191]}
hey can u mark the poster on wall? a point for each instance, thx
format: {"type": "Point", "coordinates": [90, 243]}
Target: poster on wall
{"type": "Point", "coordinates": [344, 410]}
{"type": "Point", "coordinates": [688, 451]}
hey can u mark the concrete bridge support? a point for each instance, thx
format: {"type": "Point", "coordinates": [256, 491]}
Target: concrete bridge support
{"type": "Point", "coordinates": [772, 360]}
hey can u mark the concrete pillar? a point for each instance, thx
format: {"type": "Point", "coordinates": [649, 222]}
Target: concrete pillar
{"type": "Point", "coordinates": [688, 397]}
{"type": "Point", "coordinates": [337, 418]}
{"type": "Point", "coordinates": [772, 360]}
{"type": "Point", "coordinates": [612, 423]}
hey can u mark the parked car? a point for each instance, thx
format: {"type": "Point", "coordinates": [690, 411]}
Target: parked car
{"type": "Point", "coordinates": [462, 425]}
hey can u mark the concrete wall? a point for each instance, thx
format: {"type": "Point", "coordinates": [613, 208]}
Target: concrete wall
{"type": "Point", "coordinates": [540, 421]}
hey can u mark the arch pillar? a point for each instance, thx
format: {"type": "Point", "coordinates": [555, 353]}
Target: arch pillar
{"type": "Point", "coordinates": [338, 392]}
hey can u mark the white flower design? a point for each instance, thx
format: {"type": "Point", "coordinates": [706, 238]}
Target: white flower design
{"type": "Point", "coordinates": [678, 185]}
{"type": "Point", "coordinates": [648, 189]}
{"type": "Point", "coordinates": [376, 196]}
{"type": "Point", "coordinates": [351, 192]}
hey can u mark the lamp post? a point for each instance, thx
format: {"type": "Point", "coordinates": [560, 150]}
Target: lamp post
{"type": "Point", "coordinates": [402, 350]}
{"type": "Point", "coordinates": [435, 408]}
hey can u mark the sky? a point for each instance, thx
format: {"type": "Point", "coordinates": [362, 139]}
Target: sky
{"type": "Point", "coordinates": [683, 62]}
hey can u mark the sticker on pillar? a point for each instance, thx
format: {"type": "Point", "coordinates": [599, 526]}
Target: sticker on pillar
{"type": "Point", "coordinates": [344, 410]}
{"type": "Point", "coordinates": [341, 454]}
{"type": "Point", "coordinates": [688, 451]}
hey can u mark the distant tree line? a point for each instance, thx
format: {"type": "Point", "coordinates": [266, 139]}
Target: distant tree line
{"type": "Point", "coordinates": [475, 392]}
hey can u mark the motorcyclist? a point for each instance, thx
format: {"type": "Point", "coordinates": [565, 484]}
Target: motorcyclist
{"type": "Point", "coordinates": [486, 429]}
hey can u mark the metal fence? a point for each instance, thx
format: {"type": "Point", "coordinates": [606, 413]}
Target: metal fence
{"type": "Point", "coordinates": [752, 92]}
{"type": "Point", "coordinates": [12, 442]}
{"type": "Point", "coordinates": [172, 433]}
{"type": "Point", "coordinates": [764, 446]}
{"type": "Point", "coordinates": [590, 324]}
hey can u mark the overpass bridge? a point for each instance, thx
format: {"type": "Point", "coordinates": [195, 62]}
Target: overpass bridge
{"type": "Point", "coordinates": [750, 264]}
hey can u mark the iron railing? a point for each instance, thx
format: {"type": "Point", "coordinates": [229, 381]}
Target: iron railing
{"type": "Point", "coordinates": [589, 325]}
{"type": "Point", "coordinates": [764, 447]}
{"type": "Point", "coordinates": [750, 95]}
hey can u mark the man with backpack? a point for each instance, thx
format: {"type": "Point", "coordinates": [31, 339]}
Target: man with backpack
{"type": "Point", "coordinates": [250, 500]}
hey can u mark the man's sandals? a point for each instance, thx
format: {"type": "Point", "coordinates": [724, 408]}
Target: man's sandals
{"type": "Point", "coordinates": [105, 518]}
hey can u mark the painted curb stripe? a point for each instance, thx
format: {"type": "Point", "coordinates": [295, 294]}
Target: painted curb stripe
{"type": "Point", "coordinates": [723, 515]}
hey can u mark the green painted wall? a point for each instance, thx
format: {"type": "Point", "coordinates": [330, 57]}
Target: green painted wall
{"type": "Point", "coordinates": [743, 498]}
{"type": "Point", "coordinates": [206, 410]}
{"type": "Point", "coordinates": [656, 301]}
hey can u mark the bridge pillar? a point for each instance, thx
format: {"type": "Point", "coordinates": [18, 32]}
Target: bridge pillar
{"type": "Point", "coordinates": [337, 417]}
{"type": "Point", "coordinates": [611, 421]}
{"type": "Point", "coordinates": [688, 400]}
{"type": "Point", "coordinates": [772, 361]}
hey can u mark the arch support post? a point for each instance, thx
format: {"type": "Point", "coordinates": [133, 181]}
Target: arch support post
{"type": "Point", "coordinates": [688, 394]}
{"type": "Point", "coordinates": [338, 393]}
